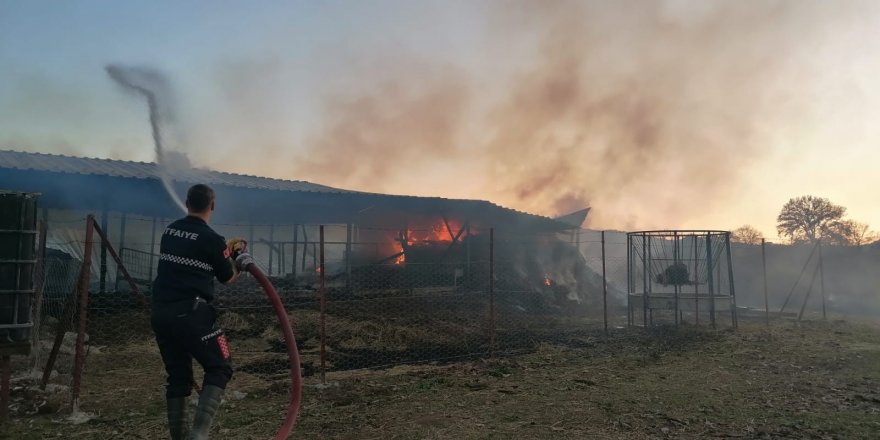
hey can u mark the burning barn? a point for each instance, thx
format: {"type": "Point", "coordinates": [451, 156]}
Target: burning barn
{"type": "Point", "coordinates": [370, 240]}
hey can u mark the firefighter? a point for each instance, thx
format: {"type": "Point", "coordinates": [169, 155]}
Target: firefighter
{"type": "Point", "coordinates": [183, 319]}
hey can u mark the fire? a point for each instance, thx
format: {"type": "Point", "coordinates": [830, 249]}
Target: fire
{"type": "Point", "coordinates": [440, 231]}
{"type": "Point", "coordinates": [437, 232]}
{"type": "Point", "coordinates": [547, 281]}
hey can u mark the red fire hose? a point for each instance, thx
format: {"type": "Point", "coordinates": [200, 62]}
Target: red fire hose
{"type": "Point", "coordinates": [292, 352]}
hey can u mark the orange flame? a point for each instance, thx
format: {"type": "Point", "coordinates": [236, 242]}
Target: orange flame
{"type": "Point", "coordinates": [547, 281]}
{"type": "Point", "coordinates": [438, 232]}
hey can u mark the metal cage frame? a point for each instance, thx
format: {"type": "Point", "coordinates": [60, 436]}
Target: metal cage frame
{"type": "Point", "coordinates": [677, 270]}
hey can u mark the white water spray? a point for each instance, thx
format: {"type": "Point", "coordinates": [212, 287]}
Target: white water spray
{"type": "Point", "coordinates": [146, 82]}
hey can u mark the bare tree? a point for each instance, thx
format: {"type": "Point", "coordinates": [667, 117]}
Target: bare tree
{"type": "Point", "coordinates": [848, 233]}
{"type": "Point", "coordinates": [805, 218]}
{"type": "Point", "coordinates": [746, 234]}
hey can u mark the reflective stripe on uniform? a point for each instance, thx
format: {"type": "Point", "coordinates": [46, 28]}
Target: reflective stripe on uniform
{"type": "Point", "coordinates": [186, 262]}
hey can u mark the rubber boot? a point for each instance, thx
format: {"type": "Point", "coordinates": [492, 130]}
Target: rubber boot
{"type": "Point", "coordinates": [209, 401]}
{"type": "Point", "coordinates": [177, 423]}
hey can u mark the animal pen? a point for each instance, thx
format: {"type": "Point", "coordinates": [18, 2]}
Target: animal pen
{"type": "Point", "coordinates": [368, 280]}
{"type": "Point", "coordinates": [679, 275]}
{"type": "Point", "coordinates": [383, 297]}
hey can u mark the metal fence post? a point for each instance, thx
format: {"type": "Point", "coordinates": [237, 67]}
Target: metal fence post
{"type": "Point", "coordinates": [630, 288]}
{"type": "Point", "coordinates": [645, 278]}
{"type": "Point", "coordinates": [733, 317]}
{"type": "Point", "coordinates": [39, 283]}
{"type": "Point", "coordinates": [697, 282]}
{"type": "Point", "coordinates": [103, 286]}
{"type": "Point", "coordinates": [323, 311]}
{"type": "Point", "coordinates": [710, 280]}
{"type": "Point", "coordinates": [271, 247]}
{"type": "Point", "coordinates": [822, 280]}
{"type": "Point", "coordinates": [604, 287]}
{"type": "Point", "coordinates": [764, 265]}
{"type": "Point", "coordinates": [491, 291]}
{"type": "Point", "coordinates": [120, 267]}
{"type": "Point", "coordinates": [79, 360]}
{"type": "Point", "coordinates": [121, 247]}
{"type": "Point", "coordinates": [295, 250]}
{"type": "Point", "coordinates": [305, 249]}
{"type": "Point", "coordinates": [676, 285]}
{"type": "Point", "coordinates": [348, 250]}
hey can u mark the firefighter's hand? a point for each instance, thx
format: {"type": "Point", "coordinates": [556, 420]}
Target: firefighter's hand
{"type": "Point", "coordinates": [243, 260]}
{"type": "Point", "coordinates": [236, 246]}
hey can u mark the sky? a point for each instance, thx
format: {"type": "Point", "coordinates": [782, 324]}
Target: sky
{"type": "Point", "coordinates": [655, 113]}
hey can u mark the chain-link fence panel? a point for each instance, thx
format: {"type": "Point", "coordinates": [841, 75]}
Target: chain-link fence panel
{"type": "Point", "coordinates": [68, 332]}
{"type": "Point", "coordinates": [605, 255]}
{"type": "Point", "coordinates": [545, 290]}
{"type": "Point", "coordinates": [796, 280]}
{"type": "Point", "coordinates": [357, 297]}
{"type": "Point", "coordinates": [403, 295]}
{"type": "Point", "coordinates": [360, 297]}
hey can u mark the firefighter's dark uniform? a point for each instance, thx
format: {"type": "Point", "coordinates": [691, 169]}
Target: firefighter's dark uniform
{"type": "Point", "coordinates": [184, 321]}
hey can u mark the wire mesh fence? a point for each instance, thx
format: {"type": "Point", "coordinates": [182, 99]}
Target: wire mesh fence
{"type": "Point", "coordinates": [357, 298]}
{"type": "Point", "coordinates": [390, 296]}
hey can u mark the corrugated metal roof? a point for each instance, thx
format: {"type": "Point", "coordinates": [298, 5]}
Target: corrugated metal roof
{"type": "Point", "coordinates": [144, 170]}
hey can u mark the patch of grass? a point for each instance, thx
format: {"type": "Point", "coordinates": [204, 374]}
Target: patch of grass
{"type": "Point", "coordinates": [795, 380]}
{"type": "Point", "coordinates": [432, 383]}
{"type": "Point", "coordinates": [501, 371]}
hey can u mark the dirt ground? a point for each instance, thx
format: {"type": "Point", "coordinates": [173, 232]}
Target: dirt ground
{"type": "Point", "coordinates": [794, 380]}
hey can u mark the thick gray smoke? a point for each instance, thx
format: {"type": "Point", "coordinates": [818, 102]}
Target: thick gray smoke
{"type": "Point", "coordinates": [369, 140]}
{"type": "Point", "coordinates": [648, 110]}
{"type": "Point", "coordinates": [156, 89]}
{"type": "Point", "coordinates": [651, 112]}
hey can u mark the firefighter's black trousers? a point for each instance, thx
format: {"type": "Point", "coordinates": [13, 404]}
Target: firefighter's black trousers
{"type": "Point", "coordinates": [183, 332]}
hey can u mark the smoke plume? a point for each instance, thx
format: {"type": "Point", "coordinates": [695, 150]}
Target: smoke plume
{"type": "Point", "coordinates": [390, 132]}
{"type": "Point", "coordinates": [153, 86]}
{"type": "Point", "coordinates": [642, 108]}
{"type": "Point", "coordinates": [650, 112]}
{"type": "Point", "coordinates": [647, 111]}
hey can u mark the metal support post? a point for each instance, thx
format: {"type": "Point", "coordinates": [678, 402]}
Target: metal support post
{"type": "Point", "coordinates": [80, 357]}
{"type": "Point", "coordinates": [121, 247]}
{"type": "Point", "coordinates": [676, 285]}
{"type": "Point", "coordinates": [764, 266]}
{"type": "Point", "coordinates": [822, 281]}
{"type": "Point", "coordinates": [103, 272]}
{"type": "Point", "coordinates": [323, 311]}
{"type": "Point", "coordinates": [733, 318]}
{"type": "Point", "coordinates": [492, 291]}
{"type": "Point", "coordinates": [348, 236]}
{"type": "Point", "coordinates": [604, 284]}
{"type": "Point", "coordinates": [645, 281]}
{"type": "Point", "coordinates": [629, 281]}
{"type": "Point", "coordinates": [271, 248]}
{"type": "Point", "coordinates": [295, 250]}
{"type": "Point", "coordinates": [696, 281]}
{"type": "Point", "coordinates": [710, 280]}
